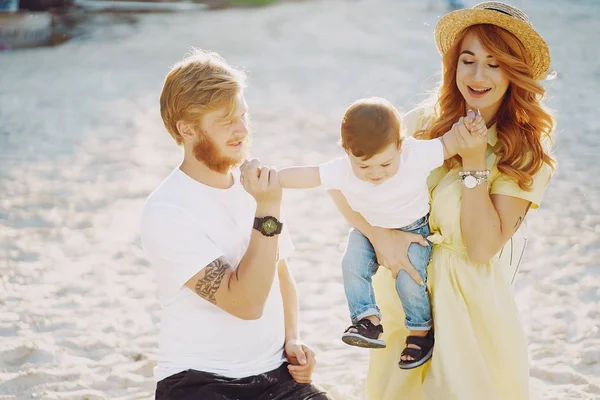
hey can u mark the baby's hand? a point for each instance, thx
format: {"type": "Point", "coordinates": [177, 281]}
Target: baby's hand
{"type": "Point", "coordinates": [475, 123]}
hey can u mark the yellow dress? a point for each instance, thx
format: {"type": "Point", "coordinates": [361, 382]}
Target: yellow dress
{"type": "Point", "coordinates": [480, 350]}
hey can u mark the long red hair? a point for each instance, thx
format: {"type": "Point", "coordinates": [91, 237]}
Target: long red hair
{"type": "Point", "coordinates": [524, 124]}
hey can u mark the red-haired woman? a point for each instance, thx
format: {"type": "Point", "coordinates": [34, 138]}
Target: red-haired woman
{"type": "Point", "coordinates": [492, 62]}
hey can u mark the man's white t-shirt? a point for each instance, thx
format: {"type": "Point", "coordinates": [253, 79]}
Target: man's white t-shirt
{"type": "Point", "coordinates": [185, 226]}
{"type": "Point", "coordinates": [398, 201]}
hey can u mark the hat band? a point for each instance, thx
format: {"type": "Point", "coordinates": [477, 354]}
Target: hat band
{"type": "Point", "coordinates": [500, 11]}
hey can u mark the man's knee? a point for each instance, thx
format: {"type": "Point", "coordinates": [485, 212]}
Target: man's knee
{"type": "Point", "coordinates": [321, 396]}
{"type": "Point", "coordinates": [316, 393]}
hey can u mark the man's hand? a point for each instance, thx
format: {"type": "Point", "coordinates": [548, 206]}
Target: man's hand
{"type": "Point", "coordinates": [302, 360]}
{"type": "Point", "coordinates": [261, 182]}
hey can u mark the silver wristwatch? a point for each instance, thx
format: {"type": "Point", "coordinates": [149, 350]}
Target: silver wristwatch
{"type": "Point", "coordinates": [472, 179]}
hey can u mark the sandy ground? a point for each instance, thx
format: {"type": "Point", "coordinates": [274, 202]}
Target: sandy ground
{"type": "Point", "coordinates": [82, 145]}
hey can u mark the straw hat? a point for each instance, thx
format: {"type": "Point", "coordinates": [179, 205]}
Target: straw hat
{"type": "Point", "coordinates": [504, 16]}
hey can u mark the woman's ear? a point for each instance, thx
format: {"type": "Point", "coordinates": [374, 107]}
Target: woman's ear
{"type": "Point", "coordinates": [186, 129]}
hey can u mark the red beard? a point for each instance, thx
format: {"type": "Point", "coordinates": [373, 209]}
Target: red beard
{"type": "Point", "coordinates": [207, 152]}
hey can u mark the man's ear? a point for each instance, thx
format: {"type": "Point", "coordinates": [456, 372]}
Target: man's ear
{"type": "Point", "coordinates": [186, 129]}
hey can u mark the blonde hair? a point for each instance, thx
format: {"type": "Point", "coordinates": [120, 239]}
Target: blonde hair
{"type": "Point", "coordinates": [523, 122]}
{"type": "Point", "coordinates": [200, 83]}
{"type": "Point", "coordinates": [369, 126]}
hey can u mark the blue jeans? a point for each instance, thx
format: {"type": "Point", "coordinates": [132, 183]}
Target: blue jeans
{"type": "Point", "coordinates": [360, 264]}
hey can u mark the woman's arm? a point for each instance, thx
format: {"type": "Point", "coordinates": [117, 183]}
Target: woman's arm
{"type": "Point", "coordinates": [488, 221]}
{"type": "Point", "coordinates": [391, 245]}
{"type": "Point", "coordinates": [299, 177]}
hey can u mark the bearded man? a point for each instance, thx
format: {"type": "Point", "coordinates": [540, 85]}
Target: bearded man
{"type": "Point", "coordinates": [229, 308]}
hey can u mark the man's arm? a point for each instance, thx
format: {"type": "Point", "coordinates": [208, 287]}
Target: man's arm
{"type": "Point", "coordinates": [300, 356]}
{"type": "Point", "coordinates": [289, 296]}
{"type": "Point", "coordinates": [243, 292]}
{"type": "Point", "coordinates": [299, 177]}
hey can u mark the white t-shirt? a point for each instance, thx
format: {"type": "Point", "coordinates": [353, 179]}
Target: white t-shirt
{"type": "Point", "coordinates": [398, 201]}
{"type": "Point", "coordinates": [185, 226]}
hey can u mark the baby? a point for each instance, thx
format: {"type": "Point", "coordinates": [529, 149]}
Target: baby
{"type": "Point", "coordinates": [383, 177]}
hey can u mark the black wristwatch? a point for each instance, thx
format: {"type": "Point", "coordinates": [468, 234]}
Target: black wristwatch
{"type": "Point", "coordinates": [268, 226]}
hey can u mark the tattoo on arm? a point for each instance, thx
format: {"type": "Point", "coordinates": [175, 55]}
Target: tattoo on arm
{"type": "Point", "coordinates": [520, 220]}
{"type": "Point", "coordinates": [518, 224]}
{"type": "Point", "coordinates": [208, 285]}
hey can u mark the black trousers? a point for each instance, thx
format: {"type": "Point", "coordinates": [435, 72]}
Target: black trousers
{"type": "Point", "coordinates": [273, 385]}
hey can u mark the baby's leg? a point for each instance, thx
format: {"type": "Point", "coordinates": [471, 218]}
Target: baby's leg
{"type": "Point", "coordinates": [358, 267]}
{"type": "Point", "coordinates": [415, 299]}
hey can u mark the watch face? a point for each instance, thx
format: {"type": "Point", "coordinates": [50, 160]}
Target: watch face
{"type": "Point", "coordinates": [269, 226]}
{"type": "Point", "coordinates": [470, 181]}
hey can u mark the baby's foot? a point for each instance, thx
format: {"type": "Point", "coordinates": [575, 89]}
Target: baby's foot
{"type": "Point", "coordinates": [417, 352]}
{"type": "Point", "coordinates": [364, 334]}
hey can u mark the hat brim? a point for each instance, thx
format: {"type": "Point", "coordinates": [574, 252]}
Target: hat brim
{"type": "Point", "coordinates": [451, 24]}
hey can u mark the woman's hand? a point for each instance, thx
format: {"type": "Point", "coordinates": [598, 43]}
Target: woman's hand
{"type": "Point", "coordinates": [391, 248]}
{"type": "Point", "coordinates": [471, 137]}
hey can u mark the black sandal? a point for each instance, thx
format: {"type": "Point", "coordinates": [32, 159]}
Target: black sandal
{"type": "Point", "coordinates": [367, 335]}
{"type": "Point", "coordinates": [421, 355]}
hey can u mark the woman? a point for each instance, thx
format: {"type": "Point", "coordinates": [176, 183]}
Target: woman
{"type": "Point", "coordinates": [492, 58]}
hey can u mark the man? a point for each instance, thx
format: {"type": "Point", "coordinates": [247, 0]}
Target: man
{"type": "Point", "coordinates": [229, 304]}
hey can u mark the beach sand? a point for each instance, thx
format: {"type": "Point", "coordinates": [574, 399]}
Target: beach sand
{"type": "Point", "coordinates": [82, 145]}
